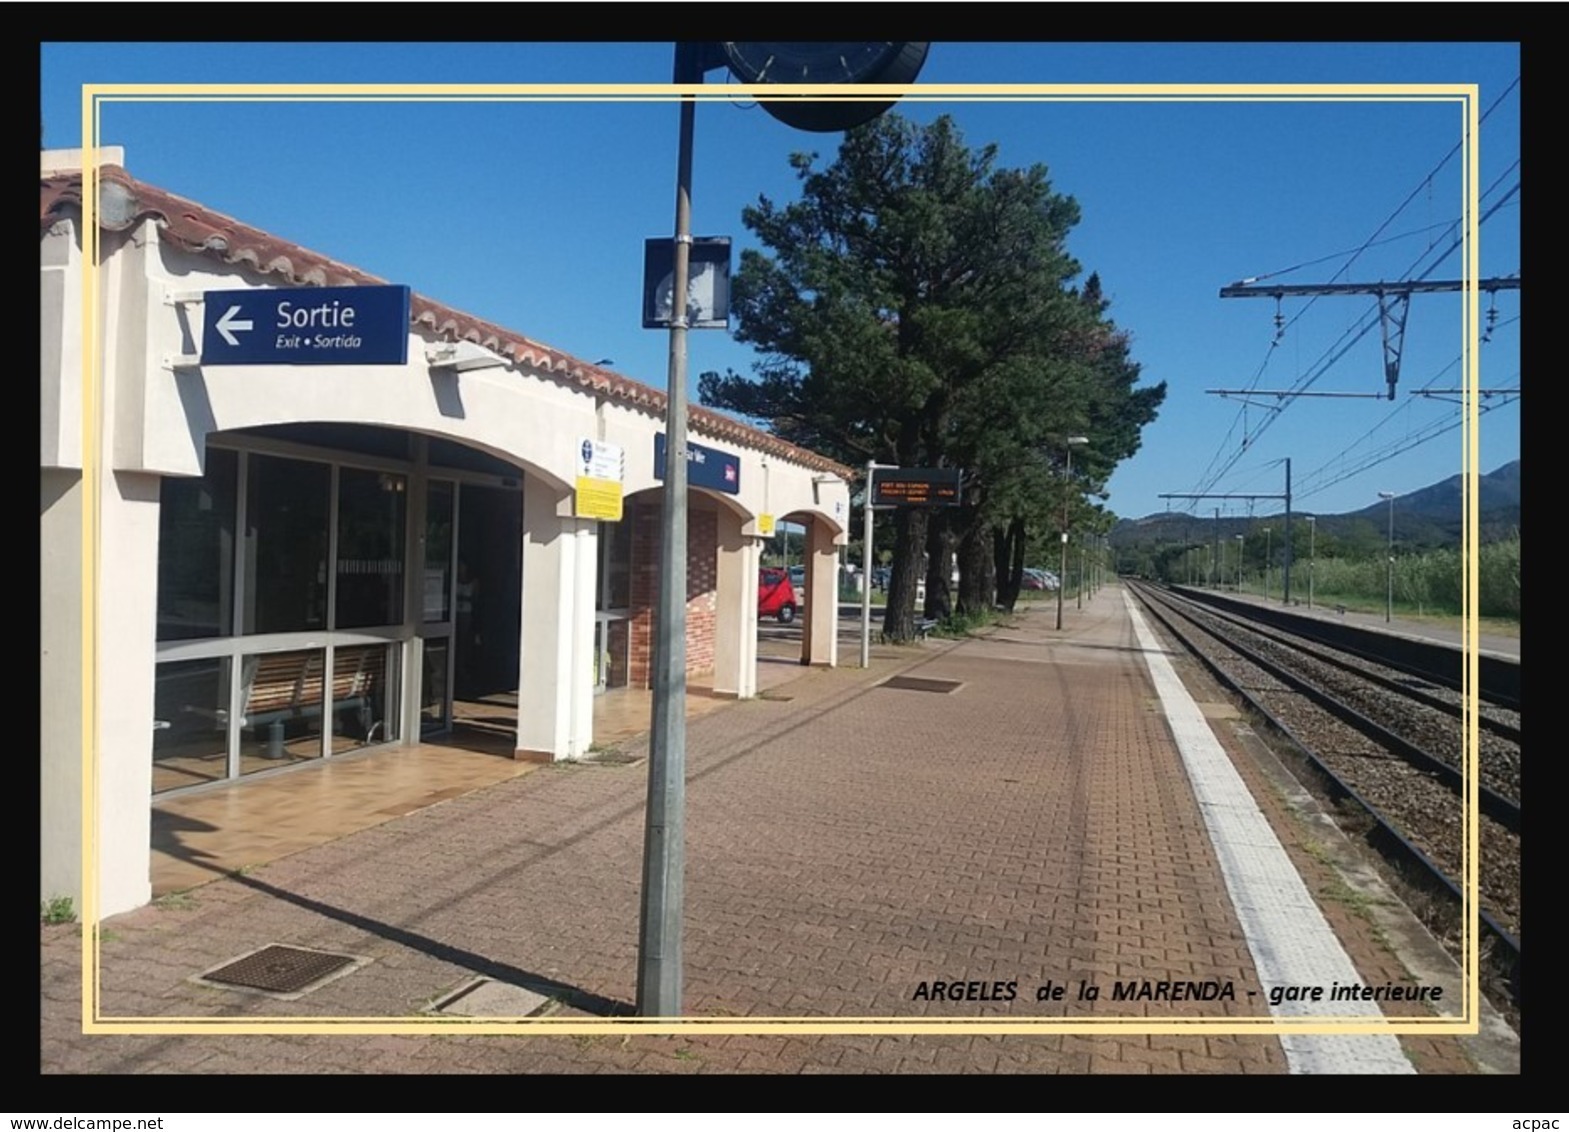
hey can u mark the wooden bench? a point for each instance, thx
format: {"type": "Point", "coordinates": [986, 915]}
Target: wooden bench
{"type": "Point", "coordinates": [283, 686]}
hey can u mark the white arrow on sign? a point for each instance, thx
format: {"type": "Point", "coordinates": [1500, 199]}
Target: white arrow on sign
{"type": "Point", "coordinates": [228, 322]}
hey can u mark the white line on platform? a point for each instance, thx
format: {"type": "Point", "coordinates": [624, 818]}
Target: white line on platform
{"type": "Point", "coordinates": [1292, 944]}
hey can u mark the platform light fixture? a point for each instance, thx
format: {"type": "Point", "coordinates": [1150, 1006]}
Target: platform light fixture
{"type": "Point", "coordinates": [1389, 572]}
{"type": "Point", "coordinates": [1067, 476]}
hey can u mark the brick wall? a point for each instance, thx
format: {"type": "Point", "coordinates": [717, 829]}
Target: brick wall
{"type": "Point", "coordinates": [702, 585]}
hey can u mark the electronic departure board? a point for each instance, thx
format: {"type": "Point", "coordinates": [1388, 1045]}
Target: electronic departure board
{"type": "Point", "coordinates": [916, 487]}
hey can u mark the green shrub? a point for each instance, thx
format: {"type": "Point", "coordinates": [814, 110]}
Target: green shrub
{"type": "Point", "coordinates": [1430, 582]}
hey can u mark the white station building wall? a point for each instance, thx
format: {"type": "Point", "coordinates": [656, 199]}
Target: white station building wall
{"type": "Point", "coordinates": [155, 410]}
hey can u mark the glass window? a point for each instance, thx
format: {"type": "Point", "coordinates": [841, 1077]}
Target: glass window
{"type": "Point", "coordinates": [437, 585]}
{"type": "Point", "coordinates": [371, 508]}
{"type": "Point", "coordinates": [196, 551]}
{"type": "Point", "coordinates": [369, 439]}
{"type": "Point", "coordinates": [191, 723]}
{"type": "Point", "coordinates": [361, 715]}
{"type": "Point", "coordinates": [615, 564]}
{"type": "Point", "coordinates": [286, 536]}
{"type": "Point", "coordinates": [280, 721]}
{"type": "Point", "coordinates": [433, 702]}
{"type": "Point", "coordinates": [450, 454]}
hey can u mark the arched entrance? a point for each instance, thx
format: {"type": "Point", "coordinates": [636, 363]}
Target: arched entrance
{"type": "Point", "coordinates": [323, 588]}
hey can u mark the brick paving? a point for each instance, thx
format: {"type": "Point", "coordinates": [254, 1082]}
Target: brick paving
{"type": "Point", "coordinates": [844, 846]}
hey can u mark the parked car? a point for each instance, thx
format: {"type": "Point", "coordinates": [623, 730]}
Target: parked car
{"type": "Point", "coordinates": [1037, 579]}
{"type": "Point", "coordinates": [776, 594]}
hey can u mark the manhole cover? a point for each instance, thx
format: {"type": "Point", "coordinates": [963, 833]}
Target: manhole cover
{"type": "Point", "coordinates": [921, 684]}
{"type": "Point", "coordinates": [283, 971]}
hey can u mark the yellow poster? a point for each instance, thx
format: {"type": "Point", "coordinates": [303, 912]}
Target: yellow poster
{"type": "Point", "coordinates": [598, 499]}
{"type": "Point", "coordinates": [765, 526]}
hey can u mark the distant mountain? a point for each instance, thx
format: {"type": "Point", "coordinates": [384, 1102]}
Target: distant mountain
{"type": "Point", "coordinates": [1496, 491]}
{"type": "Point", "coordinates": [1428, 516]}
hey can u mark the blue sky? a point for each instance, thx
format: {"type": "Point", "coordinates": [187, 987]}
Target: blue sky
{"type": "Point", "coordinates": [533, 215]}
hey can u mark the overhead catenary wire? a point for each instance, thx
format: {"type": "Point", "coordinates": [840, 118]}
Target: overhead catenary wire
{"type": "Point", "coordinates": [1229, 452]}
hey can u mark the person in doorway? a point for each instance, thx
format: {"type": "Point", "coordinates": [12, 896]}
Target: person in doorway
{"type": "Point", "coordinates": [468, 640]}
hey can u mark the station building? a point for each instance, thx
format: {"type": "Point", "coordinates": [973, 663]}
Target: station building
{"type": "Point", "coordinates": [289, 563]}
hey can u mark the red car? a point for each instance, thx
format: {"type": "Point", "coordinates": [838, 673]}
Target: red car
{"type": "Point", "coordinates": [776, 594]}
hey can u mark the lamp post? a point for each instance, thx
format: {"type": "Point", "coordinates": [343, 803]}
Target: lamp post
{"type": "Point", "coordinates": [1312, 532]}
{"type": "Point", "coordinates": [1239, 565]}
{"type": "Point", "coordinates": [1389, 594]}
{"type": "Point", "coordinates": [1268, 561]}
{"type": "Point", "coordinates": [1067, 477]}
{"type": "Point", "coordinates": [1217, 559]}
{"type": "Point", "coordinates": [1080, 586]}
{"type": "Point", "coordinates": [659, 973]}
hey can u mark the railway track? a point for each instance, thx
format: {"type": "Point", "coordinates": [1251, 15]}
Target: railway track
{"type": "Point", "coordinates": [1390, 744]}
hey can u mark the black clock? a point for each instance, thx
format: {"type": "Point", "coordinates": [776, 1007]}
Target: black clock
{"type": "Point", "coordinates": [795, 63]}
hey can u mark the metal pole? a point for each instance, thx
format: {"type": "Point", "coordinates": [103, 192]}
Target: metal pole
{"type": "Point", "coordinates": [1218, 574]}
{"type": "Point", "coordinates": [1080, 586]}
{"type": "Point", "coordinates": [664, 830]}
{"type": "Point", "coordinates": [1312, 554]}
{"type": "Point", "coordinates": [866, 582]}
{"type": "Point", "coordinates": [1268, 561]}
{"type": "Point", "coordinates": [1062, 565]}
{"type": "Point", "coordinates": [1389, 598]}
{"type": "Point", "coordinates": [1290, 542]}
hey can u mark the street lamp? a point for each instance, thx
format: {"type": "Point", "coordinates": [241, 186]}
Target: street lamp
{"type": "Point", "coordinates": [1389, 596]}
{"type": "Point", "coordinates": [1218, 560]}
{"type": "Point", "coordinates": [1080, 586]}
{"type": "Point", "coordinates": [1067, 477]}
{"type": "Point", "coordinates": [1268, 561]}
{"type": "Point", "coordinates": [1312, 531]}
{"type": "Point", "coordinates": [660, 952]}
{"type": "Point", "coordinates": [1239, 565]}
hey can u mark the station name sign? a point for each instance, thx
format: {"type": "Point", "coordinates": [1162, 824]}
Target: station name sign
{"type": "Point", "coordinates": [916, 487]}
{"type": "Point", "coordinates": [705, 467]}
{"type": "Point", "coordinates": [317, 326]}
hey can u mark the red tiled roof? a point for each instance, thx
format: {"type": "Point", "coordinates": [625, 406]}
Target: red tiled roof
{"type": "Point", "coordinates": [125, 202]}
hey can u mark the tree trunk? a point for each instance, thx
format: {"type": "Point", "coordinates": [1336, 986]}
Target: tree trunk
{"type": "Point", "coordinates": [977, 576]}
{"type": "Point", "coordinates": [1008, 560]}
{"type": "Point", "coordinates": [939, 554]}
{"type": "Point", "coordinates": [909, 529]}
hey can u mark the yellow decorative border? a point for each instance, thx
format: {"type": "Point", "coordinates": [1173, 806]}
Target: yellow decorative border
{"type": "Point", "coordinates": [95, 95]}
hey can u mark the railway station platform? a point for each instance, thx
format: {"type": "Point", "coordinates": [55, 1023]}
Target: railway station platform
{"type": "Point", "coordinates": [1442, 630]}
{"type": "Point", "coordinates": [1026, 827]}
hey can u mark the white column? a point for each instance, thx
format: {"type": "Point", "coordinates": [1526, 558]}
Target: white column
{"type": "Point", "coordinates": [735, 623]}
{"type": "Point", "coordinates": [555, 669]}
{"type": "Point", "coordinates": [60, 684]}
{"type": "Point", "coordinates": [585, 591]}
{"type": "Point", "coordinates": [127, 586]}
{"type": "Point", "coordinates": [820, 643]}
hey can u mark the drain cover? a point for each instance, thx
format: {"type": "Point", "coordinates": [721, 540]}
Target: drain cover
{"type": "Point", "coordinates": [280, 970]}
{"type": "Point", "coordinates": [488, 998]}
{"type": "Point", "coordinates": [921, 684]}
